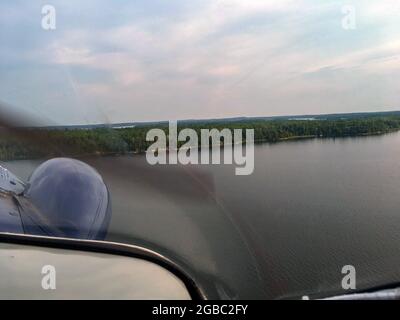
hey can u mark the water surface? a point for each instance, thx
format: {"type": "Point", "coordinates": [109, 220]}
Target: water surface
{"type": "Point", "coordinates": [309, 208]}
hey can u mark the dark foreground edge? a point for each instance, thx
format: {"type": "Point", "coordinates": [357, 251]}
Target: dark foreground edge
{"type": "Point", "coordinates": [109, 248]}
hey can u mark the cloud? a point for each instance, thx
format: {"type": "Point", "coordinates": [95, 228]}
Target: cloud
{"type": "Point", "coordinates": [210, 58]}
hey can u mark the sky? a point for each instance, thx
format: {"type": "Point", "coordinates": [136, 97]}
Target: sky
{"type": "Point", "coordinates": [148, 60]}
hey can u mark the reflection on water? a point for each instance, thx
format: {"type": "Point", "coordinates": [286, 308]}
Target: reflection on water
{"type": "Point", "coordinates": [310, 208]}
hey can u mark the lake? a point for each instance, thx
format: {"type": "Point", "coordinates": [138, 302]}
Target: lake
{"type": "Point", "coordinates": [310, 208]}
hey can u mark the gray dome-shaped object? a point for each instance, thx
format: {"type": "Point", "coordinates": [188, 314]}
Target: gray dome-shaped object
{"type": "Point", "coordinates": [71, 199]}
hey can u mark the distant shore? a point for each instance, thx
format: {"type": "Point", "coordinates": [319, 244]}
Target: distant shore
{"type": "Point", "coordinates": [45, 143]}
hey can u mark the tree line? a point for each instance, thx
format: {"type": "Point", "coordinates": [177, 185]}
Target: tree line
{"type": "Point", "coordinates": [39, 143]}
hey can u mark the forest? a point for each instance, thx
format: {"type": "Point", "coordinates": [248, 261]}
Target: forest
{"type": "Point", "coordinates": [28, 143]}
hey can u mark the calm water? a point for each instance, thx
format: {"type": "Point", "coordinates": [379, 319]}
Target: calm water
{"type": "Point", "coordinates": [310, 208]}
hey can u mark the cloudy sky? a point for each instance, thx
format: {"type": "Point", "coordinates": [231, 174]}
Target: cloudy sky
{"type": "Point", "coordinates": [117, 61]}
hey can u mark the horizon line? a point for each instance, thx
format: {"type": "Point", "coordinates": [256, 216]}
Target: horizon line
{"type": "Point", "coordinates": [225, 118]}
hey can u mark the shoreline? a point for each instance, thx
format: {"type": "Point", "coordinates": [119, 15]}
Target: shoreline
{"type": "Point", "coordinates": [257, 141]}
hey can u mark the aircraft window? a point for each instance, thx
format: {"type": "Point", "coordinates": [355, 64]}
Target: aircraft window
{"type": "Point", "coordinates": [53, 273]}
